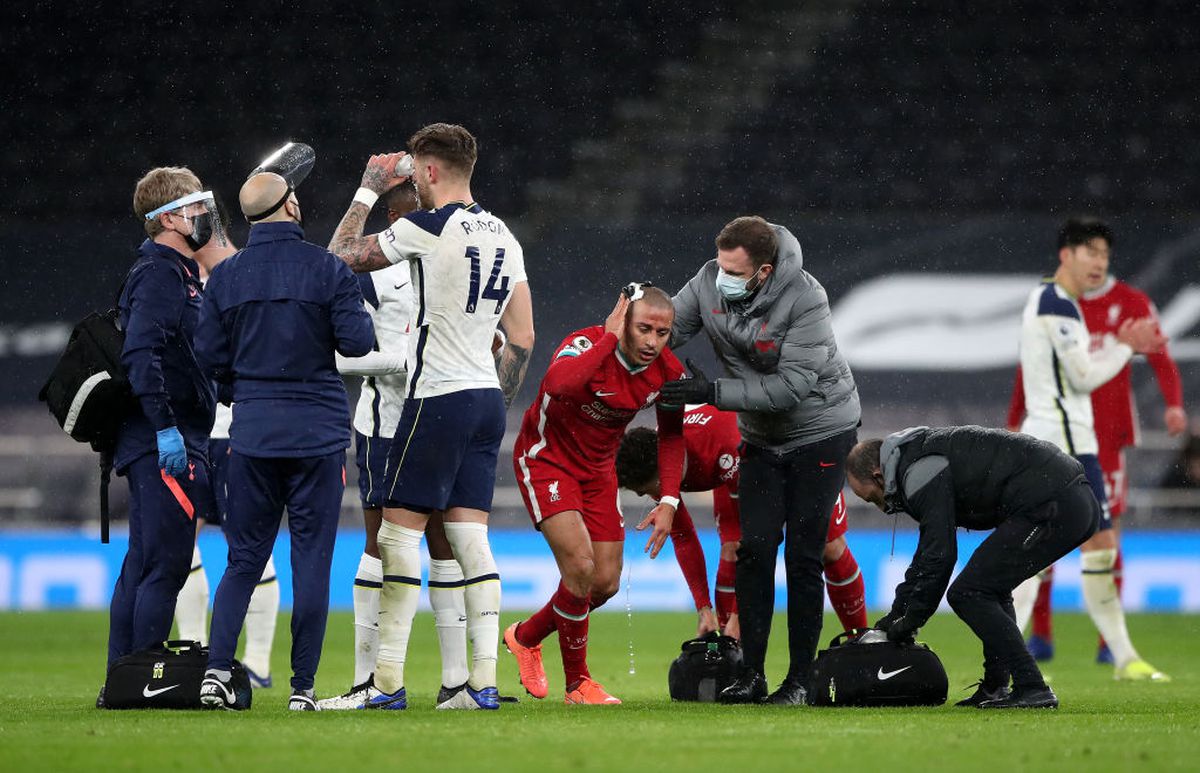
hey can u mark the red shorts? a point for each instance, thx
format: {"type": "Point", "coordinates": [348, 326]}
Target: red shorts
{"type": "Point", "coordinates": [725, 512]}
{"type": "Point", "coordinates": [1116, 481]}
{"type": "Point", "coordinates": [549, 490]}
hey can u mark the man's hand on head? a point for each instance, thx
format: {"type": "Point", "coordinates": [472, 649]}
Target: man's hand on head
{"type": "Point", "coordinates": [615, 323]}
{"type": "Point", "coordinates": [380, 174]}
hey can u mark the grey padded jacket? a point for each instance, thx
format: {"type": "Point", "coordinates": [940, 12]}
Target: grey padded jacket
{"type": "Point", "coordinates": [784, 374]}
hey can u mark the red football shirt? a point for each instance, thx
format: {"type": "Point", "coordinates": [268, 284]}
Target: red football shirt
{"type": "Point", "coordinates": [712, 440]}
{"type": "Point", "coordinates": [1114, 412]}
{"type": "Point", "coordinates": [588, 397]}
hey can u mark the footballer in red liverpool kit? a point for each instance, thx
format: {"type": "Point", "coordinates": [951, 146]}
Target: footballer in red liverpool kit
{"type": "Point", "coordinates": [1115, 418]}
{"type": "Point", "coordinates": [713, 460]}
{"type": "Point", "coordinates": [599, 379]}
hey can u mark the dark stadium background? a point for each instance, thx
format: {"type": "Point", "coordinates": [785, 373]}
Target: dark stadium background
{"type": "Point", "coordinates": [615, 139]}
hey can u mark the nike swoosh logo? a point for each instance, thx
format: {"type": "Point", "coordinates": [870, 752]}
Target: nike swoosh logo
{"type": "Point", "coordinates": [827, 464]}
{"type": "Point", "coordinates": [886, 675]}
{"type": "Point", "coordinates": [146, 691]}
{"type": "Point", "coordinates": [605, 394]}
{"type": "Point", "coordinates": [397, 287]}
{"type": "Point", "coordinates": [841, 518]}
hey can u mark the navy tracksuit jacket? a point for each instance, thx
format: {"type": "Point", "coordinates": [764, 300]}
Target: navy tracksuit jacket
{"type": "Point", "coordinates": [159, 307]}
{"type": "Point", "coordinates": [273, 316]}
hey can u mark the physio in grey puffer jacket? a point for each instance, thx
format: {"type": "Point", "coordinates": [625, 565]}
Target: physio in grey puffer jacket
{"type": "Point", "coordinates": [798, 411]}
{"type": "Point", "coordinates": [785, 376]}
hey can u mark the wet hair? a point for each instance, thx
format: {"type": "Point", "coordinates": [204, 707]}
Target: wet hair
{"type": "Point", "coordinates": [863, 460]}
{"type": "Point", "coordinates": [450, 143]}
{"type": "Point", "coordinates": [753, 234]}
{"type": "Point", "coordinates": [1081, 230]}
{"type": "Point", "coordinates": [637, 457]}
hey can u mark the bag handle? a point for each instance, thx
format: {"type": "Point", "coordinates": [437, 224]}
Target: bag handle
{"type": "Point", "coordinates": [846, 637]}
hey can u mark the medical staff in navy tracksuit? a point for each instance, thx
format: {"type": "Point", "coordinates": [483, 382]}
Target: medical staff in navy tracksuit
{"type": "Point", "coordinates": [273, 316]}
{"type": "Point", "coordinates": [162, 449]}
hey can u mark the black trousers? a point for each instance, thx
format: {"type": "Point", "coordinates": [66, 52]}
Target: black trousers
{"type": "Point", "coordinates": [1019, 548]}
{"type": "Point", "coordinates": [792, 494]}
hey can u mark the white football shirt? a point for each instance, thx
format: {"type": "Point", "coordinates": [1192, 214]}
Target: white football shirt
{"type": "Point", "coordinates": [465, 264]}
{"type": "Point", "coordinates": [389, 299]}
{"type": "Point", "coordinates": [1059, 373]}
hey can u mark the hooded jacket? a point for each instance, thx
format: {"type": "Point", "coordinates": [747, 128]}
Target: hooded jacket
{"type": "Point", "coordinates": [969, 477]}
{"type": "Point", "coordinates": [785, 376]}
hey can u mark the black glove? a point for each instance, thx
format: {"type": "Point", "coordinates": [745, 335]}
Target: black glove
{"type": "Point", "coordinates": [697, 389]}
{"type": "Point", "coordinates": [886, 622]}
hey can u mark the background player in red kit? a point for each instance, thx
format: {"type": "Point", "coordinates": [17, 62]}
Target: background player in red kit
{"type": "Point", "coordinates": [713, 461]}
{"type": "Point", "coordinates": [598, 380]}
{"type": "Point", "coordinates": [1115, 416]}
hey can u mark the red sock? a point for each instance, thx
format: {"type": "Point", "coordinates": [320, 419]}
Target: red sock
{"type": "Point", "coordinates": [540, 624]}
{"type": "Point", "coordinates": [690, 556]}
{"type": "Point", "coordinates": [726, 596]}
{"type": "Point", "coordinates": [847, 594]}
{"type": "Point", "coordinates": [571, 619]}
{"type": "Point", "coordinates": [1118, 579]}
{"type": "Point", "coordinates": [1043, 625]}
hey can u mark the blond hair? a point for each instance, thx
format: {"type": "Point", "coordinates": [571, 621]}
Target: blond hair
{"type": "Point", "coordinates": [159, 186]}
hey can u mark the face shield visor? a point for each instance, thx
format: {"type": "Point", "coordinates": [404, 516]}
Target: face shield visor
{"type": "Point", "coordinates": [202, 219]}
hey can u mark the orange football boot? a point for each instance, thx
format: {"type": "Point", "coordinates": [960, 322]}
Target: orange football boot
{"type": "Point", "coordinates": [590, 693]}
{"type": "Point", "coordinates": [529, 664]}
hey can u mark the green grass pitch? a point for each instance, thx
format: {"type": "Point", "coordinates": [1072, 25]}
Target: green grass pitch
{"type": "Point", "coordinates": [51, 666]}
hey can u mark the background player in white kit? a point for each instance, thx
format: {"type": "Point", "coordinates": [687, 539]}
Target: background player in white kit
{"type": "Point", "coordinates": [469, 273]}
{"type": "Point", "coordinates": [1059, 375]}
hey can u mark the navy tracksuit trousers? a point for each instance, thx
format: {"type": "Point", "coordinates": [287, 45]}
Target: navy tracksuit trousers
{"type": "Point", "coordinates": [259, 489]}
{"type": "Point", "coordinates": [162, 530]}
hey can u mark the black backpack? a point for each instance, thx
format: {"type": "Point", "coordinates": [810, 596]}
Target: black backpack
{"type": "Point", "coordinates": [885, 673]}
{"type": "Point", "coordinates": [705, 666]}
{"type": "Point", "coordinates": [167, 677]}
{"type": "Point", "coordinates": [88, 392]}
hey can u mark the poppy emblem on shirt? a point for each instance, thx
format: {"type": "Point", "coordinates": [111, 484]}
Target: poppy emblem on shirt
{"type": "Point", "coordinates": [192, 292]}
{"type": "Point", "coordinates": [768, 345]}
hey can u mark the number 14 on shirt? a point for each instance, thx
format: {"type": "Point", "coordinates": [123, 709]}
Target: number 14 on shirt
{"type": "Point", "coordinates": [491, 292]}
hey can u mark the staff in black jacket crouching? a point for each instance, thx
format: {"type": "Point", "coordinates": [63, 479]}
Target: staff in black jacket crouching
{"type": "Point", "coordinates": [1034, 497]}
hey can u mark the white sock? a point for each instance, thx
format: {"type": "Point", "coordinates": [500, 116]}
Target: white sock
{"type": "Point", "coordinates": [1024, 598]}
{"type": "Point", "coordinates": [482, 598]}
{"type": "Point", "coordinates": [448, 600]}
{"type": "Point", "coordinates": [367, 582]}
{"type": "Point", "coordinates": [260, 622]}
{"type": "Point", "coordinates": [1104, 604]}
{"type": "Point", "coordinates": [191, 606]}
{"type": "Point", "coordinates": [400, 550]}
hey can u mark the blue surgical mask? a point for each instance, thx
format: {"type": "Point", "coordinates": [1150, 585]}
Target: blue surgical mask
{"type": "Point", "coordinates": [733, 288]}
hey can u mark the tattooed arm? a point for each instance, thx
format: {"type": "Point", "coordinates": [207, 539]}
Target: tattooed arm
{"type": "Point", "coordinates": [363, 253]}
{"type": "Point", "coordinates": [517, 321]}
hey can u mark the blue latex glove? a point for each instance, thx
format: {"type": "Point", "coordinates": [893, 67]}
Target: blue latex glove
{"type": "Point", "coordinates": [172, 455]}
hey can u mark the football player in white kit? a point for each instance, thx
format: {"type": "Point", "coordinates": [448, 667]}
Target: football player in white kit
{"type": "Point", "coordinates": [391, 302]}
{"type": "Point", "coordinates": [468, 272]}
{"type": "Point", "coordinates": [191, 607]}
{"type": "Point", "coordinates": [1059, 375]}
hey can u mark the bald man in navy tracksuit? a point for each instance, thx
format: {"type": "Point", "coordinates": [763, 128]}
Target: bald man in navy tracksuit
{"type": "Point", "coordinates": [273, 316]}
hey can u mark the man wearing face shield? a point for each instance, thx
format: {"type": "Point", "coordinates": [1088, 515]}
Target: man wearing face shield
{"type": "Point", "coordinates": [273, 317]}
{"type": "Point", "coordinates": [797, 405]}
{"type": "Point", "coordinates": [162, 448]}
